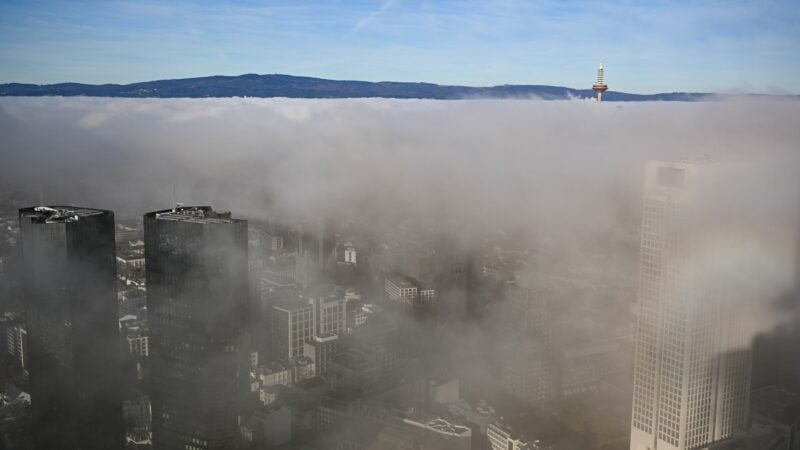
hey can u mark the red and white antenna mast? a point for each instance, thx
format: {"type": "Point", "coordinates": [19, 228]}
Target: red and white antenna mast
{"type": "Point", "coordinates": [600, 86]}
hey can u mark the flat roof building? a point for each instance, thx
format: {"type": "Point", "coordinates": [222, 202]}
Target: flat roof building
{"type": "Point", "coordinates": [692, 363]}
{"type": "Point", "coordinates": [408, 291]}
{"type": "Point", "coordinates": [68, 256]}
{"type": "Point", "coordinates": [197, 301]}
{"type": "Point", "coordinates": [293, 324]}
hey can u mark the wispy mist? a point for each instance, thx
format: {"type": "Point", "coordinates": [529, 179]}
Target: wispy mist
{"type": "Point", "coordinates": [567, 173]}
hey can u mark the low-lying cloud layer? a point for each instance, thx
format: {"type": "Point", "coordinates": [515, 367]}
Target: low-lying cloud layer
{"type": "Point", "coordinates": [570, 171]}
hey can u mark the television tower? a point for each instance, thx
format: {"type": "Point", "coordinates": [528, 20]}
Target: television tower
{"type": "Point", "coordinates": [600, 86]}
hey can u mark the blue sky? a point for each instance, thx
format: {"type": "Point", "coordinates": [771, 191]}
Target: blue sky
{"type": "Point", "coordinates": [647, 46]}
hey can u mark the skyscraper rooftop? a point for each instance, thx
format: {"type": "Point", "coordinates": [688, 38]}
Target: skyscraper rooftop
{"type": "Point", "coordinates": [54, 214]}
{"type": "Point", "coordinates": [196, 214]}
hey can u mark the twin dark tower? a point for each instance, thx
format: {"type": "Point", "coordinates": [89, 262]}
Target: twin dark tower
{"type": "Point", "coordinates": [196, 263]}
{"type": "Point", "coordinates": [68, 257]}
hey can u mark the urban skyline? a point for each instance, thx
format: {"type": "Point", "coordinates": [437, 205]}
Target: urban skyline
{"type": "Point", "coordinates": [540, 364]}
{"type": "Point", "coordinates": [447, 262]}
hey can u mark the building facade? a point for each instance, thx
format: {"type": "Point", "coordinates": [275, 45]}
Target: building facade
{"type": "Point", "coordinates": [408, 291]}
{"type": "Point", "coordinates": [322, 350]}
{"type": "Point", "coordinates": [331, 313]}
{"type": "Point", "coordinates": [692, 365]}
{"type": "Point", "coordinates": [196, 262]}
{"type": "Point", "coordinates": [400, 289]}
{"type": "Point", "coordinates": [293, 324]}
{"type": "Point", "coordinates": [502, 437]}
{"type": "Point", "coordinates": [17, 344]}
{"type": "Point", "coordinates": [138, 344]}
{"type": "Point", "coordinates": [68, 256]}
{"type": "Point", "coordinates": [528, 367]}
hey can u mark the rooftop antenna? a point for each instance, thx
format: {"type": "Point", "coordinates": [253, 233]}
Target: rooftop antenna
{"type": "Point", "coordinates": [300, 244]}
{"type": "Point", "coordinates": [41, 195]}
{"type": "Point", "coordinates": [321, 251]}
{"type": "Point", "coordinates": [600, 86]}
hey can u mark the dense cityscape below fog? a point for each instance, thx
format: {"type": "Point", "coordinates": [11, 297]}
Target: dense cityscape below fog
{"type": "Point", "coordinates": [481, 284]}
{"type": "Point", "coordinates": [405, 325]}
{"type": "Point", "coordinates": [477, 225]}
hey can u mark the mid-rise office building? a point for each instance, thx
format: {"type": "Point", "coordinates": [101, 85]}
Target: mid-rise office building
{"type": "Point", "coordinates": [17, 344]}
{"type": "Point", "coordinates": [525, 338]}
{"type": "Point", "coordinates": [692, 365]}
{"type": "Point", "coordinates": [367, 364]}
{"type": "Point", "coordinates": [138, 343]}
{"type": "Point", "coordinates": [135, 333]}
{"type": "Point", "coordinates": [350, 254]}
{"type": "Point", "coordinates": [322, 350]}
{"type": "Point", "coordinates": [272, 426]}
{"type": "Point", "coordinates": [400, 289]}
{"type": "Point", "coordinates": [293, 323]}
{"type": "Point", "coordinates": [501, 436]}
{"type": "Point", "coordinates": [357, 313]}
{"type": "Point", "coordinates": [321, 310]}
{"type": "Point", "coordinates": [408, 291]}
{"type": "Point", "coordinates": [130, 259]}
{"type": "Point", "coordinates": [197, 298]}
{"type": "Point", "coordinates": [330, 308]}
{"type": "Point", "coordinates": [68, 257]}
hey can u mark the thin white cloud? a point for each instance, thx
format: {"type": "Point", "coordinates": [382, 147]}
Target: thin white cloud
{"type": "Point", "coordinates": [374, 15]}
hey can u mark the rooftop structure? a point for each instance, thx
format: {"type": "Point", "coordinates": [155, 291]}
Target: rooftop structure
{"type": "Point", "coordinates": [58, 214]}
{"type": "Point", "coordinates": [195, 214]}
{"type": "Point", "coordinates": [400, 281]}
{"type": "Point", "coordinates": [442, 426]}
{"type": "Point", "coordinates": [479, 416]}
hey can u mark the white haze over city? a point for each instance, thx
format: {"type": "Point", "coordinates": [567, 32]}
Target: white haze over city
{"type": "Point", "coordinates": [568, 173]}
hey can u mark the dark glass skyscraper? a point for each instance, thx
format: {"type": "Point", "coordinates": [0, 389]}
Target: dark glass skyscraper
{"type": "Point", "coordinates": [197, 296]}
{"type": "Point", "coordinates": [69, 271]}
{"type": "Point", "coordinates": [525, 343]}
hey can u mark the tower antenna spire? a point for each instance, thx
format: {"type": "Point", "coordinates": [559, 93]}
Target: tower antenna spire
{"type": "Point", "coordinates": [600, 86]}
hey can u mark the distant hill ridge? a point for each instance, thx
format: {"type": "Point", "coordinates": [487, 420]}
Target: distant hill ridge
{"type": "Point", "coordinates": [277, 85]}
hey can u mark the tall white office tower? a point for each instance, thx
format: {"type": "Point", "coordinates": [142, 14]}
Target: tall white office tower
{"type": "Point", "coordinates": [692, 374]}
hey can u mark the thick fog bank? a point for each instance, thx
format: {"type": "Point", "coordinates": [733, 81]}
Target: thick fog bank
{"type": "Point", "coordinates": [566, 172]}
